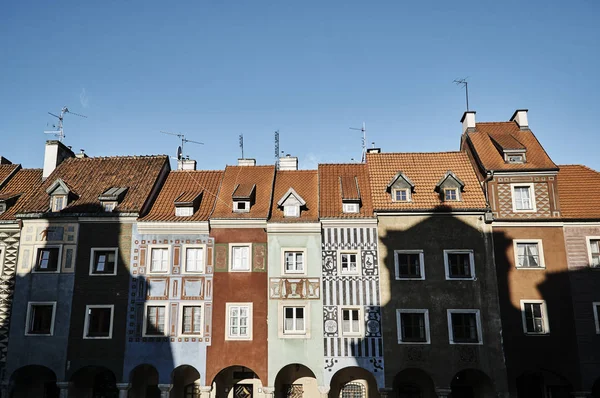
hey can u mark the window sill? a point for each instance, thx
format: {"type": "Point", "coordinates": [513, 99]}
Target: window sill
{"type": "Point", "coordinates": [465, 343]}
{"type": "Point", "coordinates": [39, 334]}
{"type": "Point", "coordinates": [229, 338]}
{"type": "Point", "coordinates": [294, 336]}
{"type": "Point", "coordinates": [531, 268]}
{"type": "Point", "coordinates": [39, 271]}
{"type": "Point", "coordinates": [97, 338]}
{"type": "Point", "coordinates": [536, 334]}
{"type": "Point", "coordinates": [102, 274]}
{"type": "Point", "coordinates": [460, 279]}
{"type": "Point", "coordinates": [413, 342]}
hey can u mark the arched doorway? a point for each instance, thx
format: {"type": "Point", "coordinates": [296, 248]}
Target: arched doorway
{"type": "Point", "coordinates": [186, 382]}
{"type": "Point", "coordinates": [353, 382]}
{"type": "Point", "coordinates": [296, 381]}
{"type": "Point", "coordinates": [543, 383]}
{"type": "Point", "coordinates": [472, 383]}
{"type": "Point", "coordinates": [413, 383]}
{"type": "Point", "coordinates": [94, 382]}
{"type": "Point", "coordinates": [144, 382]}
{"type": "Point", "coordinates": [236, 382]}
{"type": "Point", "coordinates": [33, 381]}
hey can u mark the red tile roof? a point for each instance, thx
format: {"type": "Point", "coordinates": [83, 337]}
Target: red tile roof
{"type": "Point", "coordinates": [507, 135]}
{"type": "Point", "coordinates": [24, 183]}
{"type": "Point", "coordinates": [349, 187]}
{"type": "Point", "coordinates": [261, 176]}
{"type": "Point", "coordinates": [425, 170]}
{"type": "Point", "coordinates": [90, 177]}
{"type": "Point", "coordinates": [189, 184]}
{"type": "Point", "coordinates": [306, 184]}
{"type": "Point", "coordinates": [330, 190]}
{"type": "Point", "coordinates": [578, 192]}
{"type": "Point", "coordinates": [6, 171]}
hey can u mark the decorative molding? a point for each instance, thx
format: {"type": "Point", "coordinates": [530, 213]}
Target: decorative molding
{"type": "Point", "coordinates": [259, 257]}
{"type": "Point", "coordinates": [295, 288]}
{"type": "Point", "coordinates": [153, 228]}
{"type": "Point", "coordinates": [349, 222]}
{"type": "Point", "coordinates": [294, 227]}
{"type": "Point", "coordinates": [238, 223]}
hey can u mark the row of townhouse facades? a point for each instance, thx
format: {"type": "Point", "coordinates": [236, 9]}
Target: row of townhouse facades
{"type": "Point", "coordinates": [473, 273]}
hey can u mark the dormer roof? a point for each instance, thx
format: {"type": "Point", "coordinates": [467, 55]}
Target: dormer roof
{"type": "Point", "coordinates": [114, 194]}
{"type": "Point", "coordinates": [59, 187]}
{"type": "Point", "coordinates": [349, 188]}
{"type": "Point", "coordinates": [291, 192]}
{"type": "Point", "coordinates": [449, 175]}
{"type": "Point", "coordinates": [190, 198]}
{"type": "Point", "coordinates": [18, 190]}
{"type": "Point", "coordinates": [292, 186]}
{"type": "Point", "coordinates": [398, 176]}
{"type": "Point", "coordinates": [244, 191]}
{"type": "Point", "coordinates": [333, 180]}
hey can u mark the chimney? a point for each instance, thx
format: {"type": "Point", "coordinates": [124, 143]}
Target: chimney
{"type": "Point", "coordinates": [288, 162]}
{"type": "Point", "coordinates": [373, 150]}
{"type": "Point", "coordinates": [246, 162]}
{"type": "Point", "coordinates": [520, 117]}
{"type": "Point", "coordinates": [186, 164]}
{"type": "Point", "coordinates": [81, 154]}
{"type": "Point", "coordinates": [468, 121]}
{"type": "Point", "coordinates": [54, 154]}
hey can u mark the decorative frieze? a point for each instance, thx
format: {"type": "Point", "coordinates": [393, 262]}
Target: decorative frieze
{"type": "Point", "coordinates": [295, 288]}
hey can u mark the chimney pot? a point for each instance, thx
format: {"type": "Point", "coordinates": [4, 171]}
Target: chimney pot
{"type": "Point", "coordinates": [373, 150]}
{"type": "Point", "coordinates": [246, 162]}
{"type": "Point", "coordinates": [520, 117]}
{"type": "Point", "coordinates": [468, 121]}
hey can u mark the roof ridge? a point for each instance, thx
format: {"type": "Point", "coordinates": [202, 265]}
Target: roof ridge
{"type": "Point", "coordinates": [416, 153]}
{"type": "Point", "coordinates": [196, 171]}
{"type": "Point", "coordinates": [117, 157]}
{"type": "Point", "coordinates": [506, 122]}
{"type": "Point", "coordinates": [578, 165]}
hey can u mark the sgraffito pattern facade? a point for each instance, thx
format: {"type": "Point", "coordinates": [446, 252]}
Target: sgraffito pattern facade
{"type": "Point", "coordinates": [9, 250]}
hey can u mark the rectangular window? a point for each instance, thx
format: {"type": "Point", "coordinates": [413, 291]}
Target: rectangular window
{"type": "Point", "coordinates": [58, 202]}
{"type": "Point", "coordinates": [241, 207]}
{"type": "Point", "coordinates": [291, 211]}
{"type": "Point", "coordinates": [159, 260]}
{"type": "Point", "coordinates": [409, 264]}
{"type": "Point", "coordinates": [594, 251]}
{"type": "Point", "coordinates": [155, 320]}
{"type": "Point", "coordinates": [192, 320]}
{"type": "Point", "coordinates": [596, 308]}
{"type": "Point", "coordinates": [239, 322]}
{"type": "Point", "coordinates": [294, 262]}
{"type": "Point", "coordinates": [528, 255]}
{"type": "Point", "coordinates": [109, 206]}
{"type": "Point", "coordinates": [293, 320]}
{"type": "Point", "coordinates": [413, 326]}
{"type": "Point", "coordinates": [98, 322]}
{"type": "Point", "coordinates": [523, 197]}
{"type": "Point", "coordinates": [450, 194]}
{"type": "Point", "coordinates": [184, 211]}
{"type": "Point", "coordinates": [401, 195]}
{"type": "Point", "coordinates": [47, 259]}
{"type": "Point", "coordinates": [350, 322]}
{"type": "Point", "coordinates": [534, 317]}
{"type": "Point", "coordinates": [240, 258]}
{"type": "Point", "coordinates": [104, 262]}
{"type": "Point", "coordinates": [459, 264]}
{"type": "Point", "coordinates": [349, 263]}
{"type": "Point", "coordinates": [350, 207]}
{"type": "Point", "coordinates": [464, 326]}
{"type": "Point", "coordinates": [40, 319]}
{"type": "Point", "coordinates": [515, 158]}
{"type": "Point", "coordinates": [194, 259]}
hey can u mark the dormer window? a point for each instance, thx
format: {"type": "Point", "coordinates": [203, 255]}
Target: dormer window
{"type": "Point", "coordinates": [350, 207]}
{"type": "Point", "coordinates": [450, 194]}
{"type": "Point", "coordinates": [2, 207]}
{"type": "Point", "coordinates": [450, 187]}
{"type": "Point", "coordinates": [111, 198]}
{"type": "Point", "coordinates": [59, 202]}
{"type": "Point", "coordinates": [60, 195]}
{"type": "Point", "coordinates": [6, 201]}
{"type": "Point", "coordinates": [241, 206]}
{"type": "Point", "coordinates": [515, 158]}
{"type": "Point", "coordinates": [291, 203]}
{"type": "Point", "coordinates": [401, 195]}
{"type": "Point", "coordinates": [350, 191]}
{"type": "Point", "coordinates": [243, 197]}
{"type": "Point", "coordinates": [187, 203]}
{"type": "Point", "coordinates": [291, 211]}
{"type": "Point", "coordinates": [401, 188]}
{"type": "Point", "coordinates": [109, 206]}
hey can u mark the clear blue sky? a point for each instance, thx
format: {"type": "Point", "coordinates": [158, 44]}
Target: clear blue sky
{"type": "Point", "coordinates": [215, 69]}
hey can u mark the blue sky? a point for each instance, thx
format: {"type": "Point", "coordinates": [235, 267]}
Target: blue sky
{"type": "Point", "coordinates": [215, 69]}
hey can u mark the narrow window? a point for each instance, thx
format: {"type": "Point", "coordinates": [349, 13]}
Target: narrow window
{"type": "Point", "coordinates": [294, 262]}
{"type": "Point", "coordinates": [104, 262]}
{"type": "Point", "coordinates": [528, 255]}
{"type": "Point", "coordinates": [464, 327]}
{"type": "Point", "coordinates": [409, 264]}
{"type": "Point", "coordinates": [194, 259]}
{"type": "Point", "coordinates": [291, 211]}
{"type": "Point", "coordinates": [58, 202]}
{"type": "Point", "coordinates": [240, 260]}
{"type": "Point", "coordinates": [523, 198]}
{"type": "Point", "coordinates": [400, 195]}
{"type": "Point", "coordinates": [293, 322]}
{"type": "Point", "coordinates": [534, 318]}
{"type": "Point", "coordinates": [349, 263]}
{"type": "Point", "coordinates": [413, 327]}
{"type": "Point", "coordinates": [239, 322]}
{"type": "Point", "coordinates": [595, 253]}
{"type": "Point", "coordinates": [155, 320]}
{"type": "Point", "coordinates": [350, 207]}
{"type": "Point", "coordinates": [47, 259]}
{"type": "Point", "coordinates": [350, 321]}
{"type": "Point", "coordinates": [159, 260]}
{"type": "Point", "coordinates": [459, 264]}
{"type": "Point", "coordinates": [41, 319]}
{"type": "Point", "coordinates": [450, 194]}
{"type": "Point", "coordinates": [192, 320]}
{"type": "Point", "coordinates": [99, 322]}
{"type": "Point", "coordinates": [596, 308]}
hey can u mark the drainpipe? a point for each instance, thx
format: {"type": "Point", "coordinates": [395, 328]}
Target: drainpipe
{"type": "Point", "coordinates": [490, 175]}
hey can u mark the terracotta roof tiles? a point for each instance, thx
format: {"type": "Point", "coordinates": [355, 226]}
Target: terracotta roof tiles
{"type": "Point", "coordinates": [6, 171]}
{"type": "Point", "coordinates": [24, 183]}
{"type": "Point", "coordinates": [306, 184]}
{"type": "Point", "coordinates": [330, 191]}
{"type": "Point", "coordinates": [578, 192]}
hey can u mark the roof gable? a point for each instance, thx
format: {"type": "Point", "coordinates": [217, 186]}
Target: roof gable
{"type": "Point", "coordinates": [400, 177]}
{"type": "Point", "coordinates": [291, 192]}
{"type": "Point", "coordinates": [59, 187]}
{"type": "Point", "coordinates": [449, 179]}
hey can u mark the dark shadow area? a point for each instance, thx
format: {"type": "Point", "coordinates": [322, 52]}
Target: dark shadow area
{"type": "Point", "coordinates": [242, 380]}
{"type": "Point", "coordinates": [295, 380]}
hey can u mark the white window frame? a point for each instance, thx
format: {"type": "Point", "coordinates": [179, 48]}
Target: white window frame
{"type": "Point", "coordinates": [183, 268]}
{"type": "Point", "coordinates": [184, 211]}
{"type": "Point", "coordinates": [109, 207]}
{"type": "Point", "coordinates": [358, 262]}
{"type": "Point", "coordinates": [149, 259]}
{"type": "Point", "coordinates": [596, 309]}
{"type": "Point", "coordinates": [238, 210]}
{"type": "Point", "coordinates": [292, 211]}
{"type": "Point", "coordinates": [477, 313]}
{"type": "Point", "coordinates": [249, 246]}
{"type": "Point", "coordinates": [190, 303]}
{"type": "Point", "coordinates": [87, 321]}
{"type": "Point", "coordinates": [53, 205]}
{"type": "Point", "coordinates": [540, 253]}
{"type": "Point", "coordinates": [281, 322]}
{"type": "Point", "coordinates": [92, 257]}
{"type": "Point", "coordinates": [361, 321]}
{"type": "Point", "coordinates": [408, 195]}
{"type": "Point", "coordinates": [36, 248]}
{"type": "Point", "coordinates": [531, 186]}
{"type": "Point", "coordinates": [28, 317]}
{"type": "Point", "coordinates": [588, 241]}
{"type": "Point", "coordinates": [421, 264]}
{"type": "Point", "coordinates": [156, 304]}
{"type": "Point", "coordinates": [228, 324]}
{"type": "Point", "coordinates": [544, 315]}
{"type": "Point", "coordinates": [295, 250]}
{"type": "Point", "coordinates": [425, 313]}
{"type": "Point", "coordinates": [471, 264]}
{"type": "Point", "coordinates": [350, 208]}
{"type": "Point", "coordinates": [457, 195]}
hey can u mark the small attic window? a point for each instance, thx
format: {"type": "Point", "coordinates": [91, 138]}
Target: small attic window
{"type": "Point", "coordinates": [2, 207]}
{"type": "Point", "coordinates": [400, 188]}
{"type": "Point", "coordinates": [514, 158]}
{"type": "Point", "coordinates": [350, 207]}
{"type": "Point", "coordinates": [401, 195]}
{"type": "Point", "coordinates": [450, 194]}
{"type": "Point", "coordinates": [241, 206]}
{"type": "Point", "coordinates": [184, 211]}
{"type": "Point", "coordinates": [291, 211]}
{"type": "Point", "coordinates": [187, 203]}
{"type": "Point", "coordinates": [109, 206]}
{"type": "Point", "coordinates": [58, 202]}
{"type": "Point", "coordinates": [60, 193]}
{"type": "Point", "coordinates": [111, 198]}
{"type": "Point", "coordinates": [243, 197]}
{"type": "Point", "coordinates": [6, 201]}
{"type": "Point", "coordinates": [291, 202]}
{"type": "Point", "coordinates": [350, 191]}
{"type": "Point", "coordinates": [450, 187]}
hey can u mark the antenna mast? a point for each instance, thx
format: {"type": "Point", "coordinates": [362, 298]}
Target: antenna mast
{"type": "Point", "coordinates": [60, 133]}
{"type": "Point", "coordinates": [183, 141]}
{"type": "Point", "coordinates": [465, 84]}
{"type": "Point", "coordinates": [277, 149]}
{"type": "Point", "coordinates": [242, 144]}
{"type": "Point", "coordinates": [363, 129]}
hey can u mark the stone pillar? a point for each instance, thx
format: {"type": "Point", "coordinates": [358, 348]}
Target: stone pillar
{"type": "Point", "coordinates": [386, 392]}
{"type": "Point", "coordinates": [443, 392]}
{"type": "Point", "coordinates": [123, 389]}
{"type": "Point", "coordinates": [205, 391]}
{"type": "Point", "coordinates": [324, 390]}
{"type": "Point", "coordinates": [64, 388]}
{"type": "Point", "coordinates": [581, 394]}
{"type": "Point", "coordinates": [164, 390]}
{"type": "Point", "coordinates": [268, 392]}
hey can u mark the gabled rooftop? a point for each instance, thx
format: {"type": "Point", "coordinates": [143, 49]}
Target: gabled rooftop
{"type": "Point", "coordinates": [303, 183]}
{"type": "Point", "coordinates": [7, 170]}
{"type": "Point", "coordinates": [22, 185]}
{"type": "Point", "coordinates": [578, 192]}
{"type": "Point", "coordinates": [332, 190]}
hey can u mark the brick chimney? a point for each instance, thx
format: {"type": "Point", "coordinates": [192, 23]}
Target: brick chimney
{"type": "Point", "coordinates": [54, 154]}
{"type": "Point", "coordinates": [520, 117]}
{"type": "Point", "coordinates": [246, 162]}
{"type": "Point", "coordinates": [468, 121]}
{"type": "Point", "coordinates": [288, 162]}
{"type": "Point", "coordinates": [186, 164]}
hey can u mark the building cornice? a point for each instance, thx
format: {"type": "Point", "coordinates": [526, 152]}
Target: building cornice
{"type": "Point", "coordinates": [174, 227]}
{"type": "Point", "coordinates": [238, 223]}
{"type": "Point", "coordinates": [527, 223]}
{"type": "Point", "coordinates": [349, 222]}
{"type": "Point", "coordinates": [294, 227]}
{"type": "Point", "coordinates": [475, 212]}
{"type": "Point", "coordinates": [525, 173]}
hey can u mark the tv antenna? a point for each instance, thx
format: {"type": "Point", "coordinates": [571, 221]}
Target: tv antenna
{"type": "Point", "coordinates": [277, 149]}
{"type": "Point", "coordinates": [183, 141]}
{"type": "Point", "coordinates": [59, 132]}
{"type": "Point", "coordinates": [363, 129]}
{"type": "Point", "coordinates": [242, 144]}
{"type": "Point", "coordinates": [465, 84]}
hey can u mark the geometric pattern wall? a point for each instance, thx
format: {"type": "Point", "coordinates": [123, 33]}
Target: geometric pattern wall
{"type": "Point", "coordinates": [9, 250]}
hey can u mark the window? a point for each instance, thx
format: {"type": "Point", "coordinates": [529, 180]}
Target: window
{"type": "Point", "coordinates": [240, 258]}
{"type": "Point", "coordinates": [409, 264]}
{"type": "Point", "coordinates": [400, 195]}
{"type": "Point", "coordinates": [459, 264]}
{"type": "Point", "coordinates": [596, 308]}
{"type": "Point", "coordinates": [58, 202]}
{"type": "Point", "coordinates": [293, 320]}
{"type": "Point", "coordinates": [523, 199]}
{"type": "Point", "coordinates": [104, 261]}
{"type": "Point", "coordinates": [184, 211]}
{"type": "Point", "coordinates": [515, 159]}
{"type": "Point", "coordinates": [464, 327]}
{"type": "Point", "coordinates": [351, 325]}
{"type": "Point", "coordinates": [413, 326]}
{"type": "Point", "coordinates": [350, 207]}
{"type": "Point", "coordinates": [47, 259]}
{"type": "Point", "coordinates": [155, 320]}
{"type": "Point", "coordinates": [353, 390]}
{"type": "Point", "coordinates": [239, 321]}
{"type": "Point", "coordinates": [293, 262]}
{"type": "Point", "coordinates": [535, 317]}
{"type": "Point", "coordinates": [109, 206]}
{"type": "Point", "coordinates": [594, 251]}
{"type": "Point", "coordinates": [194, 259]}
{"type": "Point", "coordinates": [40, 318]}
{"type": "Point", "coordinates": [291, 211]}
{"type": "Point", "coordinates": [349, 263]}
{"type": "Point", "coordinates": [191, 320]}
{"type": "Point", "coordinates": [98, 322]}
{"type": "Point", "coordinates": [450, 194]}
{"type": "Point", "coordinates": [159, 259]}
{"type": "Point", "coordinates": [528, 253]}
{"type": "Point", "coordinates": [241, 207]}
